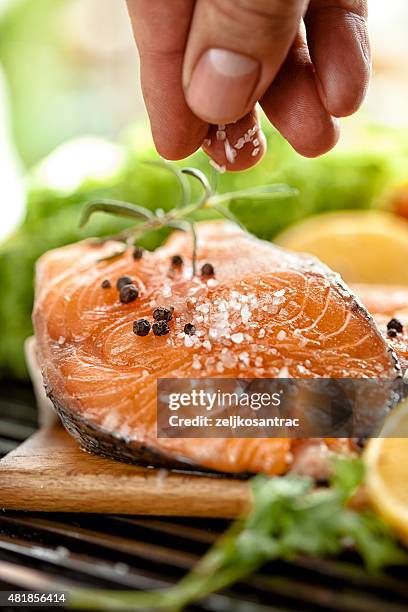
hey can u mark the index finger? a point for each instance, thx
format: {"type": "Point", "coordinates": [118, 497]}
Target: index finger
{"type": "Point", "coordinates": [161, 28]}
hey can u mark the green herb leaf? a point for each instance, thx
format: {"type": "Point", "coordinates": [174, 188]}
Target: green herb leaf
{"type": "Point", "coordinates": [347, 476]}
{"type": "Point", "coordinates": [123, 209]}
{"type": "Point", "coordinates": [200, 176]}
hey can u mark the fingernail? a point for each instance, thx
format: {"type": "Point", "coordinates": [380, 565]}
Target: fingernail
{"type": "Point", "coordinates": [221, 85]}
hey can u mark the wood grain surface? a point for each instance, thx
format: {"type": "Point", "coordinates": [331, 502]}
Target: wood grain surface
{"type": "Point", "coordinates": [49, 472]}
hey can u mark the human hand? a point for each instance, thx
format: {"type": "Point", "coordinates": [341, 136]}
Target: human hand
{"type": "Point", "coordinates": [206, 63]}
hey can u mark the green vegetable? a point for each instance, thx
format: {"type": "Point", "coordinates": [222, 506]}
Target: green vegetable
{"type": "Point", "coordinates": [290, 517]}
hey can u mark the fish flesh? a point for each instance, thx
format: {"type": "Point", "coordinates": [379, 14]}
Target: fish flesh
{"type": "Point", "coordinates": [387, 303]}
{"type": "Point", "coordinates": [258, 311]}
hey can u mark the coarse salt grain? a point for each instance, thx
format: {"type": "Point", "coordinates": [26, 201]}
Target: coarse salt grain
{"type": "Point", "coordinates": [245, 314]}
{"type": "Point", "coordinates": [188, 340]}
{"type": "Point", "coordinates": [230, 153]}
{"type": "Point", "coordinates": [283, 372]}
{"type": "Point", "coordinates": [207, 345]}
{"type": "Point", "coordinates": [196, 363]}
{"type": "Point", "coordinates": [214, 333]}
{"type": "Point", "coordinates": [281, 335]}
{"type": "Point", "coordinates": [261, 333]}
{"type": "Point", "coordinates": [167, 292]}
{"type": "Point", "coordinates": [237, 338]}
{"type": "Point", "coordinates": [220, 168]}
{"type": "Point", "coordinates": [244, 357]}
{"type": "Point", "coordinates": [228, 359]}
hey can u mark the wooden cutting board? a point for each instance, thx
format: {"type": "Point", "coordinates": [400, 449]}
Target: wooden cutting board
{"type": "Point", "coordinates": [49, 472]}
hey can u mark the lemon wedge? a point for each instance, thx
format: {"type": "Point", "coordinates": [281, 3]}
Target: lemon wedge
{"type": "Point", "coordinates": [386, 460]}
{"type": "Point", "coordinates": [363, 246]}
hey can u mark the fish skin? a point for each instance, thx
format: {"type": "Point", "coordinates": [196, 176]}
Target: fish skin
{"type": "Point", "coordinates": [102, 378]}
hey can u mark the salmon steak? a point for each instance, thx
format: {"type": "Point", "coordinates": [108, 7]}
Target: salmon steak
{"type": "Point", "coordinates": [252, 310]}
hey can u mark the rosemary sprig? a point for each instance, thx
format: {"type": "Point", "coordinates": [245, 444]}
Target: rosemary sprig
{"type": "Point", "coordinates": [181, 216]}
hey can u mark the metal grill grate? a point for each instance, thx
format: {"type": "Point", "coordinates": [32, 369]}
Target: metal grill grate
{"type": "Point", "coordinates": [52, 551]}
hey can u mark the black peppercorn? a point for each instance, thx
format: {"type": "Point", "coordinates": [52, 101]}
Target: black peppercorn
{"type": "Point", "coordinates": [163, 314]}
{"type": "Point", "coordinates": [141, 327]}
{"type": "Point", "coordinates": [106, 284]}
{"type": "Point", "coordinates": [176, 261]}
{"type": "Point", "coordinates": [189, 329]}
{"type": "Point", "coordinates": [207, 270]}
{"type": "Point", "coordinates": [395, 325]}
{"type": "Point", "coordinates": [392, 333]}
{"type": "Point", "coordinates": [160, 328]}
{"type": "Point", "coordinates": [122, 281]}
{"type": "Point", "coordinates": [138, 253]}
{"type": "Point", "coordinates": [128, 293]}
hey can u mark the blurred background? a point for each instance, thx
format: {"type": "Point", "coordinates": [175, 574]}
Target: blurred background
{"type": "Point", "coordinates": [73, 126]}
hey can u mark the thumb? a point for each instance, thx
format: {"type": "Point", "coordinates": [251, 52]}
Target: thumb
{"type": "Point", "coordinates": [234, 51]}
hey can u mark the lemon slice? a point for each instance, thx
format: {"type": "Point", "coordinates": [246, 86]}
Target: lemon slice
{"type": "Point", "coordinates": [386, 459]}
{"type": "Point", "coordinates": [364, 246]}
